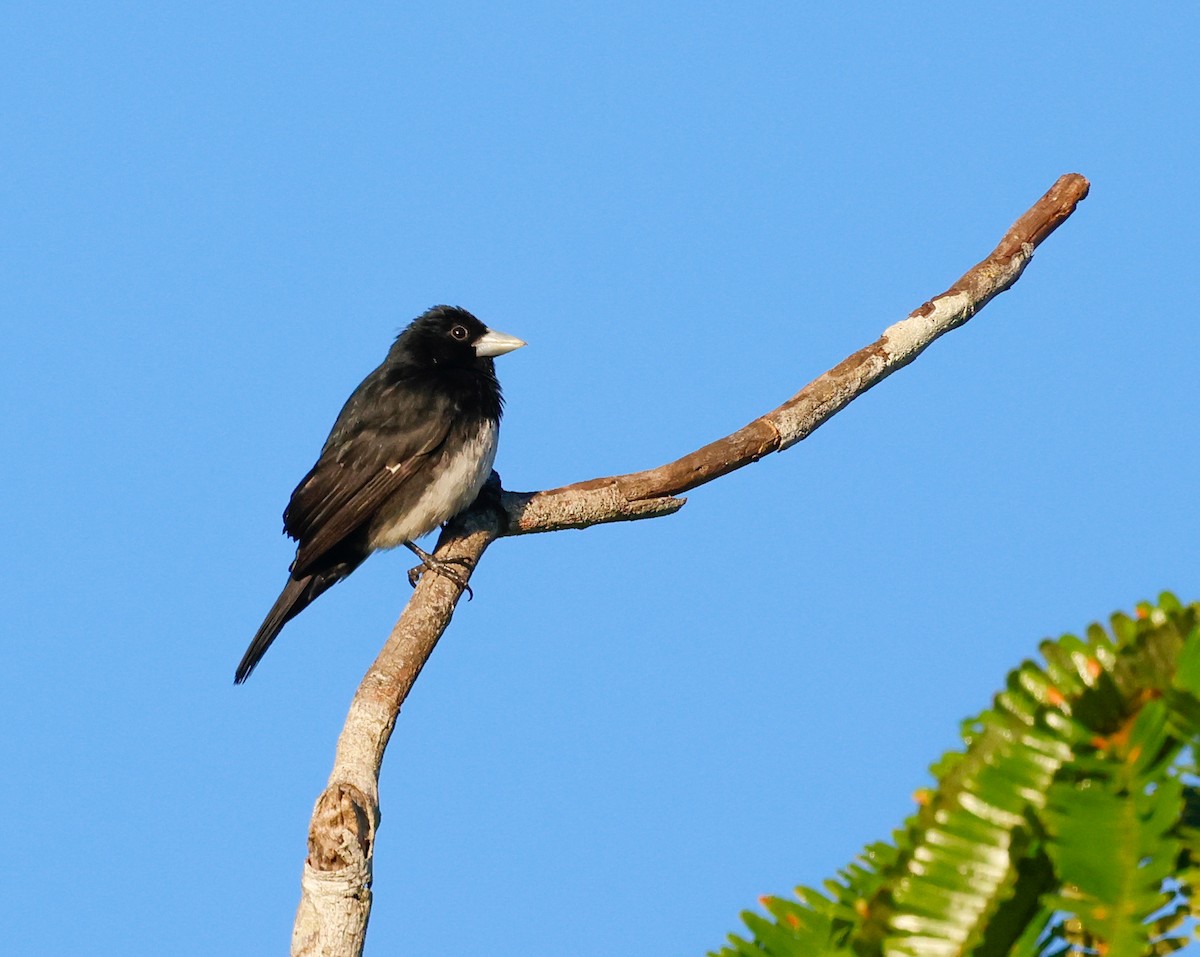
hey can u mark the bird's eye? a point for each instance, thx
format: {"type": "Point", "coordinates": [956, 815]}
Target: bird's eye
{"type": "Point", "coordinates": [459, 332]}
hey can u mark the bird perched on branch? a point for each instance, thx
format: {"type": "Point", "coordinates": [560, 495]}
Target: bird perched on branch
{"type": "Point", "coordinates": [411, 448]}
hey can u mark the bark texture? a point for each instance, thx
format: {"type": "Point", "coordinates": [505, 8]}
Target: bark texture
{"type": "Point", "coordinates": [335, 901]}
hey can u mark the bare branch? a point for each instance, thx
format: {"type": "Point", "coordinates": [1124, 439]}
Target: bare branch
{"type": "Point", "coordinates": [615, 498]}
{"type": "Point", "coordinates": [335, 892]}
{"type": "Point", "coordinates": [335, 889]}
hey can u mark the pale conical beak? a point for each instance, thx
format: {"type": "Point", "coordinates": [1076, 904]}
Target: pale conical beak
{"type": "Point", "coordinates": [493, 343]}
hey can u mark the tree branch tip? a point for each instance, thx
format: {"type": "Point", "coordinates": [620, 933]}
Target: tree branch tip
{"type": "Point", "coordinates": [665, 505]}
{"type": "Point", "coordinates": [1077, 182]}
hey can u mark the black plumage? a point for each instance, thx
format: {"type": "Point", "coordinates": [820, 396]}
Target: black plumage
{"type": "Point", "coordinates": [411, 448]}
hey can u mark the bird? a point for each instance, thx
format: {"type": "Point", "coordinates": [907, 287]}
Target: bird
{"type": "Point", "coordinates": [411, 448]}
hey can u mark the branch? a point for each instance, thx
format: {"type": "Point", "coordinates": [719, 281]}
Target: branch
{"type": "Point", "coordinates": [335, 900]}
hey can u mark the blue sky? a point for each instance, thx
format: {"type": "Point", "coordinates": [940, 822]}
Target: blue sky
{"type": "Point", "coordinates": [216, 216]}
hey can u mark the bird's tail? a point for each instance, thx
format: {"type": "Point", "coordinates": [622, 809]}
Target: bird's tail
{"type": "Point", "coordinates": [297, 595]}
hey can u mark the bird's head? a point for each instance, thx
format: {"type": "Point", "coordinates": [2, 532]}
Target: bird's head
{"type": "Point", "coordinates": [448, 335]}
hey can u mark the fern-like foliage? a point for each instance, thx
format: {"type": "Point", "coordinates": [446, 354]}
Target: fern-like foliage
{"type": "Point", "coordinates": [1069, 823]}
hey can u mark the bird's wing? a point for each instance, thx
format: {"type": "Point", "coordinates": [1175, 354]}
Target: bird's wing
{"type": "Point", "coordinates": [348, 484]}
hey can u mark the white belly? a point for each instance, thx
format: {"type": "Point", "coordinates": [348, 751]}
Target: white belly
{"type": "Point", "coordinates": [459, 479]}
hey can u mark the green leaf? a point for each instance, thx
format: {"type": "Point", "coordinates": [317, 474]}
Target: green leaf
{"type": "Point", "coordinates": [1069, 821]}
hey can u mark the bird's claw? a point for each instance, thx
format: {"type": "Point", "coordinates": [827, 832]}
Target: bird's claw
{"type": "Point", "coordinates": [441, 566]}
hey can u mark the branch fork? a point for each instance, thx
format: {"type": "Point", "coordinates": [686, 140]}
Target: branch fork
{"type": "Point", "coordinates": [335, 900]}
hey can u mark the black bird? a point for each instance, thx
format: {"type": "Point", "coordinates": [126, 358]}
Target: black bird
{"type": "Point", "coordinates": [411, 448]}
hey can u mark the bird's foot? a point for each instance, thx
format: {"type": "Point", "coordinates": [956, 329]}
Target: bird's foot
{"type": "Point", "coordinates": [442, 566]}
